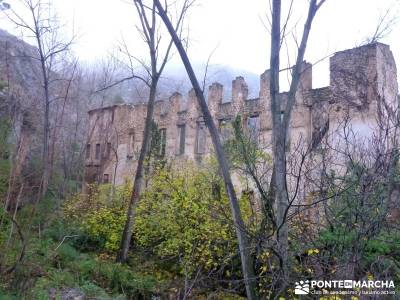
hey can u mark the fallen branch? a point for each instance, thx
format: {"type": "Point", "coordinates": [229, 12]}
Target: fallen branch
{"type": "Point", "coordinates": [62, 241]}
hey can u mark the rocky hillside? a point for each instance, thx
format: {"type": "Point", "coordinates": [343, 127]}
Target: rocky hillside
{"type": "Point", "coordinates": [18, 63]}
{"type": "Point", "coordinates": [19, 77]}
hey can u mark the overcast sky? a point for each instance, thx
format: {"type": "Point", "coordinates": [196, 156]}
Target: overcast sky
{"type": "Point", "coordinates": [234, 28]}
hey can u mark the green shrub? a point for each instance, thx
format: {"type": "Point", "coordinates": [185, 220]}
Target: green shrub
{"type": "Point", "coordinates": [99, 216]}
{"type": "Point", "coordinates": [117, 278]}
{"type": "Point", "coordinates": [184, 218]}
{"type": "Point", "coordinates": [61, 278]}
{"type": "Point", "coordinates": [67, 253]}
{"type": "Point", "coordinates": [58, 228]}
{"type": "Point", "coordinates": [4, 295]}
{"type": "Point", "coordinates": [182, 222]}
{"type": "Point", "coordinates": [85, 267]}
{"type": "Point", "coordinates": [5, 224]}
{"type": "Point", "coordinates": [358, 225]}
{"type": "Point", "coordinates": [105, 226]}
{"type": "Point", "coordinates": [92, 290]}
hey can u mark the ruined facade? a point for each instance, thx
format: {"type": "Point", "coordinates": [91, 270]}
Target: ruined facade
{"type": "Point", "coordinates": [362, 80]}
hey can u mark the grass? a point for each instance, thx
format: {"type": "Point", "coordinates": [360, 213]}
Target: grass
{"type": "Point", "coordinates": [53, 262]}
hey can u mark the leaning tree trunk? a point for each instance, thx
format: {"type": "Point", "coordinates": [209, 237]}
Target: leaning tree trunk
{"type": "Point", "coordinates": [138, 181]}
{"type": "Point", "coordinates": [243, 240]}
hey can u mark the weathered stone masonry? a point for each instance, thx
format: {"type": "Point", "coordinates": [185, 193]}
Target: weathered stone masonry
{"type": "Point", "coordinates": [360, 79]}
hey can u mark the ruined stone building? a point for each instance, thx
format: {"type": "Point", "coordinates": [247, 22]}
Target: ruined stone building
{"type": "Point", "coordinates": [362, 80]}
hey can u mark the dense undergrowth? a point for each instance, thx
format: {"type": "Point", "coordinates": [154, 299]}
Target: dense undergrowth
{"type": "Point", "coordinates": [55, 259]}
{"type": "Point", "coordinates": [184, 242]}
{"type": "Point", "coordinates": [72, 245]}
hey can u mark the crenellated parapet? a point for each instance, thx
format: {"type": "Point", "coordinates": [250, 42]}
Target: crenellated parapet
{"type": "Point", "coordinates": [240, 90]}
{"type": "Point", "coordinates": [215, 95]}
{"type": "Point", "coordinates": [305, 83]}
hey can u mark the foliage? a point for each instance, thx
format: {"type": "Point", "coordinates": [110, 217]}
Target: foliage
{"type": "Point", "coordinates": [182, 221]}
{"type": "Point", "coordinates": [351, 231]}
{"type": "Point", "coordinates": [52, 262]}
{"type": "Point", "coordinates": [106, 225]}
{"type": "Point", "coordinates": [182, 218]}
{"type": "Point", "coordinates": [95, 276]}
{"type": "Point", "coordinates": [242, 149]}
{"type": "Point", "coordinates": [156, 156]}
{"type": "Point", "coordinates": [100, 215]}
{"type": "Point", "coordinates": [5, 224]}
{"type": "Point", "coordinates": [252, 164]}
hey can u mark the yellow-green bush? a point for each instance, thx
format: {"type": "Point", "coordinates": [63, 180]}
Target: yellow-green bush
{"type": "Point", "coordinates": [100, 214]}
{"type": "Point", "coordinates": [185, 216]}
{"type": "Point", "coordinates": [106, 223]}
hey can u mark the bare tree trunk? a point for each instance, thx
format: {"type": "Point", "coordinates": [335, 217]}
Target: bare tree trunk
{"type": "Point", "coordinates": [281, 117]}
{"type": "Point", "coordinates": [150, 27]}
{"type": "Point", "coordinates": [46, 125]}
{"type": "Point", "coordinates": [279, 143]}
{"type": "Point", "coordinates": [243, 240]}
{"type": "Point", "coordinates": [138, 181]}
{"type": "Point", "coordinates": [59, 120]}
{"type": "Point", "coordinates": [45, 157]}
{"type": "Point", "coordinates": [43, 26]}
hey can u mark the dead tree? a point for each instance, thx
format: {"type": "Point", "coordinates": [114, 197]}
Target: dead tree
{"type": "Point", "coordinates": [281, 117]}
{"type": "Point", "coordinates": [44, 28]}
{"type": "Point", "coordinates": [243, 240]}
{"type": "Point", "coordinates": [149, 30]}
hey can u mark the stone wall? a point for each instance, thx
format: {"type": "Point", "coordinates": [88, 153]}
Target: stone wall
{"type": "Point", "coordinates": [360, 80]}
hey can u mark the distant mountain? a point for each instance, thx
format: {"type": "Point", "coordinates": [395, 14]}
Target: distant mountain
{"type": "Point", "coordinates": [175, 79]}
{"type": "Point", "coordinates": [20, 81]}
